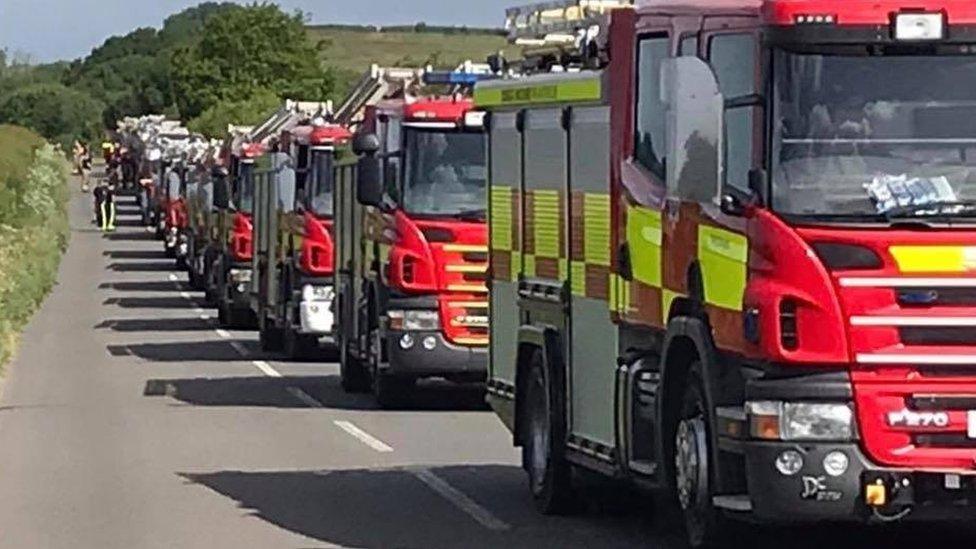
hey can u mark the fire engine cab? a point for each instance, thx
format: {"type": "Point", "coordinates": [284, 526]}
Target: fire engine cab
{"type": "Point", "coordinates": [733, 256]}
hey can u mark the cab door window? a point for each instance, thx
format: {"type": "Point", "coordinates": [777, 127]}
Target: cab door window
{"type": "Point", "coordinates": [734, 58]}
{"type": "Point", "coordinates": [650, 126]}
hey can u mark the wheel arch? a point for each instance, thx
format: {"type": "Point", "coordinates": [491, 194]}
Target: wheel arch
{"type": "Point", "coordinates": [546, 339]}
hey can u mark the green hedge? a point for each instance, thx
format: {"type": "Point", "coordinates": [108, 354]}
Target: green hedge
{"type": "Point", "coordinates": [33, 227]}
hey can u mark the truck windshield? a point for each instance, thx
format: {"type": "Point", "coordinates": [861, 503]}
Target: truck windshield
{"type": "Point", "coordinates": [871, 136]}
{"type": "Point", "coordinates": [322, 187]}
{"type": "Point", "coordinates": [245, 188]}
{"type": "Point", "coordinates": [445, 174]}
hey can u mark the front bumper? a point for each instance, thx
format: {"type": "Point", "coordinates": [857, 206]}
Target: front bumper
{"type": "Point", "coordinates": [444, 359]}
{"type": "Point", "coordinates": [813, 495]}
{"type": "Point", "coordinates": [239, 289]}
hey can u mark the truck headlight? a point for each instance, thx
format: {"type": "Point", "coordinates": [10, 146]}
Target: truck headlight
{"type": "Point", "coordinates": [425, 321]}
{"type": "Point", "coordinates": [800, 421]}
{"type": "Point", "coordinates": [317, 293]}
{"type": "Point", "coordinates": [240, 275]}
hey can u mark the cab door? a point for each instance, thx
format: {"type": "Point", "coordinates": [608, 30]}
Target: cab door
{"type": "Point", "coordinates": [731, 47]}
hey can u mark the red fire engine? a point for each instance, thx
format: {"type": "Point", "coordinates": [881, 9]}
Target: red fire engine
{"type": "Point", "coordinates": [733, 256]}
{"type": "Point", "coordinates": [412, 263]}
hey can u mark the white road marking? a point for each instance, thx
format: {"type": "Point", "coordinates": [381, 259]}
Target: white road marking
{"type": "Point", "coordinates": [199, 310]}
{"type": "Point", "coordinates": [460, 500]}
{"type": "Point", "coordinates": [239, 347]}
{"type": "Point", "coordinates": [223, 333]}
{"type": "Point", "coordinates": [173, 278]}
{"type": "Point", "coordinates": [204, 317]}
{"type": "Point", "coordinates": [186, 295]}
{"type": "Point", "coordinates": [363, 436]}
{"type": "Point", "coordinates": [306, 398]}
{"type": "Point", "coordinates": [266, 368]}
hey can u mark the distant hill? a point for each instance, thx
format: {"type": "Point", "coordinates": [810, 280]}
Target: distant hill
{"type": "Point", "coordinates": [352, 49]}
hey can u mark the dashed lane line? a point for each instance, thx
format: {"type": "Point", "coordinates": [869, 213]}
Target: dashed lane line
{"type": "Point", "coordinates": [363, 436]}
{"type": "Point", "coordinates": [239, 347]}
{"type": "Point", "coordinates": [223, 333]}
{"type": "Point", "coordinates": [460, 500]}
{"type": "Point", "coordinates": [304, 397]}
{"type": "Point", "coordinates": [266, 368]}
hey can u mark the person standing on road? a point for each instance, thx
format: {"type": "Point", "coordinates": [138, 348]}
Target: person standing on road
{"type": "Point", "coordinates": [85, 167]}
{"type": "Point", "coordinates": [105, 205]}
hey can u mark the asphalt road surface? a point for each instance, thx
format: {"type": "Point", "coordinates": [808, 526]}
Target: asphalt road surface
{"type": "Point", "coordinates": [128, 420]}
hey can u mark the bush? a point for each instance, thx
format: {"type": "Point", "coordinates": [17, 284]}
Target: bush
{"type": "Point", "coordinates": [58, 113]}
{"type": "Point", "coordinates": [33, 228]}
{"type": "Point", "coordinates": [214, 121]}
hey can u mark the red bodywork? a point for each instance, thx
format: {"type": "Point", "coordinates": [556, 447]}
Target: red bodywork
{"type": "Point", "coordinates": [443, 257]}
{"type": "Point", "coordinates": [316, 257]}
{"type": "Point", "coordinates": [241, 242]}
{"type": "Point", "coordinates": [839, 313]}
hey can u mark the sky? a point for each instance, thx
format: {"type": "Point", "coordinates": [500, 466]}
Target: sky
{"type": "Point", "coordinates": [50, 30]}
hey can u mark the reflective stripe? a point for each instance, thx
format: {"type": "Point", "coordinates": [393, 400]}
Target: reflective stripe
{"type": "Point", "coordinates": [896, 282]}
{"type": "Point", "coordinates": [644, 237]}
{"type": "Point", "coordinates": [578, 278]}
{"type": "Point", "coordinates": [948, 321]}
{"type": "Point", "coordinates": [917, 359]}
{"type": "Point", "coordinates": [466, 268]}
{"type": "Point", "coordinates": [501, 94]}
{"type": "Point", "coordinates": [722, 255]}
{"type": "Point", "coordinates": [596, 229]}
{"type": "Point", "coordinates": [465, 248]}
{"type": "Point", "coordinates": [500, 217]}
{"type": "Point", "coordinates": [469, 288]}
{"type": "Point", "coordinates": [934, 259]}
{"type": "Point", "coordinates": [547, 223]}
{"type": "Point", "coordinates": [667, 298]}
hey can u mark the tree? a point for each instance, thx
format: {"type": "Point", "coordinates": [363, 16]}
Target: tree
{"type": "Point", "coordinates": [245, 52]}
{"type": "Point", "coordinates": [213, 122]}
{"type": "Point", "coordinates": [57, 112]}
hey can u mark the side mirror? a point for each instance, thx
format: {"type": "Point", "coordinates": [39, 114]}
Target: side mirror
{"type": "Point", "coordinates": [365, 144]}
{"type": "Point", "coordinates": [732, 206]}
{"type": "Point", "coordinates": [369, 181]}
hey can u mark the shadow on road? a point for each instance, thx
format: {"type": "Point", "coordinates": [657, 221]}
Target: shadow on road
{"type": "Point", "coordinates": [261, 392]}
{"type": "Point", "coordinates": [326, 390]}
{"type": "Point", "coordinates": [149, 325]}
{"type": "Point", "coordinates": [136, 254]}
{"type": "Point", "coordinates": [139, 267]}
{"type": "Point", "coordinates": [146, 286]}
{"type": "Point", "coordinates": [194, 351]}
{"type": "Point", "coordinates": [380, 508]}
{"type": "Point", "coordinates": [132, 236]}
{"type": "Point", "coordinates": [384, 508]}
{"type": "Point", "coordinates": [152, 302]}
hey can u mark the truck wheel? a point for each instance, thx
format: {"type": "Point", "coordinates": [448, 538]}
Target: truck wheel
{"type": "Point", "coordinates": [692, 482]}
{"type": "Point", "coordinates": [543, 449]}
{"type": "Point", "coordinates": [300, 347]}
{"type": "Point", "coordinates": [272, 338]}
{"type": "Point", "coordinates": [352, 371]}
{"type": "Point", "coordinates": [392, 392]}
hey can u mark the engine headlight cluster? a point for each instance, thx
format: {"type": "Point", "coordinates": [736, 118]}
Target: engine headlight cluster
{"type": "Point", "coordinates": [800, 421]}
{"type": "Point", "coordinates": [418, 320]}
{"type": "Point", "coordinates": [317, 293]}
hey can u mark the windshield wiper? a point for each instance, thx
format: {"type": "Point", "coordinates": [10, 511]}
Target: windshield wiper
{"type": "Point", "coordinates": [962, 208]}
{"type": "Point", "coordinates": [479, 214]}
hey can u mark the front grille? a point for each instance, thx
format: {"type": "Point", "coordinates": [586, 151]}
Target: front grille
{"type": "Point", "coordinates": [951, 441]}
{"type": "Point", "coordinates": [933, 297]}
{"type": "Point", "coordinates": [948, 335]}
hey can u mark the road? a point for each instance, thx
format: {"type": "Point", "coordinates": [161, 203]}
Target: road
{"type": "Point", "coordinates": [128, 420]}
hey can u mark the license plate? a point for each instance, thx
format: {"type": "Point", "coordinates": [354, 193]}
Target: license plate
{"type": "Point", "coordinates": [972, 424]}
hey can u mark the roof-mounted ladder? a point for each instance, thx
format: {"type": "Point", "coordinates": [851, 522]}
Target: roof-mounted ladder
{"type": "Point", "coordinates": [556, 22]}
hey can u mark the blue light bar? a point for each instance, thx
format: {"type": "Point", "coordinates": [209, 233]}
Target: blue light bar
{"type": "Point", "coordinates": [455, 78]}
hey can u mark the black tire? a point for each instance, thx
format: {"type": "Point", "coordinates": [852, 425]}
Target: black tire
{"type": "Point", "coordinates": [352, 371]}
{"type": "Point", "coordinates": [543, 444]}
{"type": "Point", "coordinates": [272, 338]}
{"type": "Point", "coordinates": [301, 347]}
{"type": "Point", "coordinates": [692, 470]}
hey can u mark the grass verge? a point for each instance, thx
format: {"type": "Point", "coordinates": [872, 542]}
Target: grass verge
{"type": "Point", "coordinates": [33, 228]}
